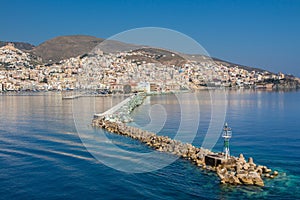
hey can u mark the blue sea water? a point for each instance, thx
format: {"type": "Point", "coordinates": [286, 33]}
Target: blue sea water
{"type": "Point", "coordinates": [42, 155]}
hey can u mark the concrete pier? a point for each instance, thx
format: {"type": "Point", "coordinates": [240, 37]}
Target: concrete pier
{"type": "Point", "coordinates": [121, 111]}
{"type": "Point", "coordinates": [65, 96]}
{"type": "Point", "coordinates": [113, 109]}
{"type": "Point", "coordinates": [71, 97]}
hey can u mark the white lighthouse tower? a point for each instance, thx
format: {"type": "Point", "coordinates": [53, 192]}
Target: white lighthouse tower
{"type": "Point", "coordinates": [226, 135]}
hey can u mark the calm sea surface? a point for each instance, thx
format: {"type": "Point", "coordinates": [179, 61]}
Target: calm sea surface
{"type": "Point", "coordinates": [48, 148]}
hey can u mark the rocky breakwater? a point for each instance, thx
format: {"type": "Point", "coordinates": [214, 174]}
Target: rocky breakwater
{"type": "Point", "coordinates": [234, 170]}
{"type": "Point", "coordinates": [239, 171]}
{"type": "Point", "coordinates": [159, 143]}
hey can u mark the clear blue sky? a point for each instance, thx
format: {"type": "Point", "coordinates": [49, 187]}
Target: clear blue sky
{"type": "Point", "coordinates": [259, 33]}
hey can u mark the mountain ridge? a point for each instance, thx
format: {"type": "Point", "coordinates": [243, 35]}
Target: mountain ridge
{"type": "Point", "coordinates": [64, 47]}
{"type": "Point", "coordinates": [68, 46]}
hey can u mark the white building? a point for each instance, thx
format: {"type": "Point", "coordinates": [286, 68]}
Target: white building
{"type": "Point", "coordinates": [144, 86]}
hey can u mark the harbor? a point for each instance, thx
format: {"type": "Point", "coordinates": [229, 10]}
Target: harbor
{"type": "Point", "coordinates": [229, 169]}
{"type": "Point", "coordinates": [57, 153]}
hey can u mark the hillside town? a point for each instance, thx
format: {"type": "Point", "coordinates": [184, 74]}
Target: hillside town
{"type": "Point", "coordinates": [115, 73]}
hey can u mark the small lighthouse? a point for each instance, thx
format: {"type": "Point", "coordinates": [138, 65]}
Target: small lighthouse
{"type": "Point", "coordinates": [226, 135]}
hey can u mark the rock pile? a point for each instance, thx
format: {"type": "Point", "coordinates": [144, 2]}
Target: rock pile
{"type": "Point", "coordinates": [234, 171]}
{"type": "Point", "coordinates": [242, 172]}
{"type": "Point", "coordinates": [159, 143]}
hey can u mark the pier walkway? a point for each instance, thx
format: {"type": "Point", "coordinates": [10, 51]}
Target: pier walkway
{"type": "Point", "coordinates": [72, 96]}
{"type": "Point", "coordinates": [113, 109]}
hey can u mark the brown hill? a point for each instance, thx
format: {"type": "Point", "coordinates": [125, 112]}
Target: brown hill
{"type": "Point", "coordinates": [65, 47]}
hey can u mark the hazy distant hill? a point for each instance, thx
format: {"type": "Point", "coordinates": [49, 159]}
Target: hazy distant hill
{"type": "Point", "coordinates": [230, 64]}
{"type": "Point", "coordinates": [64, 47]}
{"type": "Point", "coordinates": [18, 45]}
{"type": "Point", "coordinates": [166, 57]}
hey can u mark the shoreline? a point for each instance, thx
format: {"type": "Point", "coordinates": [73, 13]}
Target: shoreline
{"type": "Point", "coordinates": [40, 93]}
{"type": "Point", "coordinates": [234, 170]}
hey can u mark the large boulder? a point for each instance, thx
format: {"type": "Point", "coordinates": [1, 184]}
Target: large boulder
{"type": "Point", "coordinates": [233, 179]}
{"type": "Point", "coordinates": [256, 178]}
{"type": "Point", "coordinates": [245, 179]}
